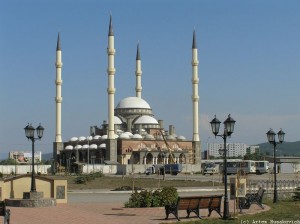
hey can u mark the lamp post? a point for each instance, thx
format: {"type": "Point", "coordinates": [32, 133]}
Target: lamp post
{"type": "Point", "coordinates": [228, 130]}
{"type": "Point", "coordinates": [29, 132]}
{"type": "Point", "coordinates": [271, 138]}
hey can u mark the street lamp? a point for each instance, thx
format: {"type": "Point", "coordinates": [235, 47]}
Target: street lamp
{"type": "Point", "coordinates": [271, 138]}
{"type": "Point", "coordinates": [29, 132]}
{"type": "Point", "coordinates": [228, 130]}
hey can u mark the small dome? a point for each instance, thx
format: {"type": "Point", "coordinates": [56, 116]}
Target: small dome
{"type": "Point", "coordinates": [78, 147]}
{"type": "Point", "coordinates": [104, 137]}
{"type": "Point", "coordinates": [89, 138]}
{"type": "Point", "coordinates": [85, 146]}
{"type": "Point", "coordinates": [93, 146]}
{"type": "Point", "coordinates": [124, 136]}
{"type": "Point", "coordinates": [82, 138]}
{"type": "Point", "coordinates": [73, 139]}
{"type": "Point", "coordinates": [129, 133]}
{"type": "Point", "coordinates": [149, 137]}
{"type": "Point", "coordinates": [117, 120]}
{"type": "Point", "coordinates": [70, 147]}
{"type": "Point", "coordinates": [96, 137]}
{"type": "Point", "coordinates": [145, 119]}
{"type": "Point", "coordinates": [119, 131]}
{"type": "Point", "coordinates": [133, 102]}
{"type": "Point", "coordinates": [180, 137]}
{"type": "Point", "coordinates": [136, 136]}
{"type": "Point", "coordinates": [102, 146]}
{"type": "Point", "coordinates": [171, 137]}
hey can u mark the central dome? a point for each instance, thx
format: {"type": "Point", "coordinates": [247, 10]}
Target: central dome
{"type": "Point", "coordinates": [133, 102]}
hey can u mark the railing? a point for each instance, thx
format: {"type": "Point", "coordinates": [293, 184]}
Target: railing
{"type": "Point", "coordinates": [285, 188]}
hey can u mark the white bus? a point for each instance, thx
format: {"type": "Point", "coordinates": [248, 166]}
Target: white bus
{"type": "Point", "coordinates": [245, 167]}
{"type": "Point", "coordinates": [262, 167]}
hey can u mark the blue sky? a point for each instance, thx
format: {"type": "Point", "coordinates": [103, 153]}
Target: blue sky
{"type": "Point", "coordinates": [249, 54]}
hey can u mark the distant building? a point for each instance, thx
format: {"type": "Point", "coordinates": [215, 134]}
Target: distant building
{"type": "Point", "coordinates": [25, 156]}
{"type": "Point", "coordinates": [253, 149]}
{"type": "Point", "coordinates": [233, 149]}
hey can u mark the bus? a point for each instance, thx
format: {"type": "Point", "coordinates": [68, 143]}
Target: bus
{"type": "Point", "coordinates": [262, 167]}
{"type": "Point", "coordinates": [245, 167]}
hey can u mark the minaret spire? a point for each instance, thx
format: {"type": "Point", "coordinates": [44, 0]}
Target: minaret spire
{"type": "Point", "coordinates": [58, 98]}
{"type": "Point", "coordinates": [195, 99]}
{"type": "Point", "coordinates": [194, 40]}
{"type": "Point", "coordinates": [138, 57]}
{"type": "Point", "coordinates": [110, 30]}
{"type": "Point", "coordinates": [58, 48]}
{"type": "Point", "coordinates": [138, 73]}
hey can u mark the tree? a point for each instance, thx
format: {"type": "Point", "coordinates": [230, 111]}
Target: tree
{"type": "Point", "coordinates": [8, 162]}
{"type": "Point", "coordinates": [253, 156]}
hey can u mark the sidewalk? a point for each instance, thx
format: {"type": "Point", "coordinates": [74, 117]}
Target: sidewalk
{"type": "Point", "coordinates": [112, 213]}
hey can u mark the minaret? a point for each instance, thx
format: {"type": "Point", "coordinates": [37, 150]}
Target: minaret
{"type": "Point", "coordinates": [195, 99]}
{"type": "Point", "coordinates": [138, 73]}
{"type": "Point", "coordinates": [111, 144]}
{"type": "Point", "coordinates": [58, 98]}
{"type": "Point", "coordinates": [111, 73]}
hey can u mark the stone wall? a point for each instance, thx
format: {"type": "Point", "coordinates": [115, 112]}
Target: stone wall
{"type": "Point", "coordinates": [14, 187]}
{"type": "Point", "coordinates": [105, 169]}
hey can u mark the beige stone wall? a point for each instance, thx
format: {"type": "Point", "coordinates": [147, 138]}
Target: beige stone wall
{"type": "Point", "coordinates": [14, 187]}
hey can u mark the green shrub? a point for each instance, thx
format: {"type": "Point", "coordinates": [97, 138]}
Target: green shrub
{"type": "Point", "coordinates": [1, 175]}
{"type": "Point", "coordinates": [98, 174]}
{"type": "Point", "coordinates": [169, 196]}
{"type": "Point", "coordinates": [157, 198]}
{"type": "Point", "coordinates": [80, 179]}
{"type": "Point", "coordinates": [146, 197]}
{"type": "Point", "coordinates": [83, 178]}
{"type": "Point", "coordinates": [134, 201]}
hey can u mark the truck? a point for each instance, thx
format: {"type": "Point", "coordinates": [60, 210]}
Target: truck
{"type": "Point", "coordinates": [172, 169]}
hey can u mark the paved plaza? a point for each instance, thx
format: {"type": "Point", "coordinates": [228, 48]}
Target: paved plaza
{"type": "Point", "coordinates": [81, 209]}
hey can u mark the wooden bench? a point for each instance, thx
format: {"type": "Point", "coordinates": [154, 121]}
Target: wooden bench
{"type": "Point", "coordinates": [4, 212]}
{"type": "Point", "coordinates": [194, 204]}
{"type": "Point", "coordinates": [250, 199]}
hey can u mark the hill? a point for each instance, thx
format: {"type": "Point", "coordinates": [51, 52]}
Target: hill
{"type": "Point", "coordinates": [47, 156]}
{"type": "Point", "coordinates": [284, 149]}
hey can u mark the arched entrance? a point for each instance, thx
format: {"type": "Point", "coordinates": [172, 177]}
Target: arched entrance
{"type": "Point", "coordinates": [182, 158]}
{"type": "Point", "coordinates": [149, 158]}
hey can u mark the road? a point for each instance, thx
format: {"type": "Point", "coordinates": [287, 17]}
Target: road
{"type": "Point", "coordinates": [218, 177]}
{"type": "Point", "coordinates": [107, 196]}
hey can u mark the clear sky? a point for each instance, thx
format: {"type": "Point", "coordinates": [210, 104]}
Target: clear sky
{"type": "Point", "coordinates": [249, 53]}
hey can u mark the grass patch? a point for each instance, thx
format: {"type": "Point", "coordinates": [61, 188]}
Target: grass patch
{"type": "Point", "coordinates": [111, 182]}
{"type": "Point", "coordinates": [283, 212]}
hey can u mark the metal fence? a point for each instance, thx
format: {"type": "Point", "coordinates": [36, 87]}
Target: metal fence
{"type": "Point", "coordinates": [285, 188]}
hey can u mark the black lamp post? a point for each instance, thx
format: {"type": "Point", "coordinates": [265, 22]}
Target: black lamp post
{"type": "Point", "coordinates": [228, 130]}
{"type": "Point", "coordinates": [29, 132]}
{"type": "Point", "coordinates": [271, 138]}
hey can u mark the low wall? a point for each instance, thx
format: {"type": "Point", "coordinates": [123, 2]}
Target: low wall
{"type": "Point", "coordinates": [105, 169]}
{"type": "Point", "coordinates": [24, 169]}
{"type": "Point", "coordinates": [127, 169]}
{"type": "Point", "coordinates": [14, 187]}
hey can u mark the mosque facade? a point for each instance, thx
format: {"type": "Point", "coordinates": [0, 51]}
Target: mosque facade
{"type": "Point", "coordinates": [132, 134]}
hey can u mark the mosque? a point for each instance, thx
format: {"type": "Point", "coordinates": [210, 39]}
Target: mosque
{"type": "Point", "coordinates": [132, 135]}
